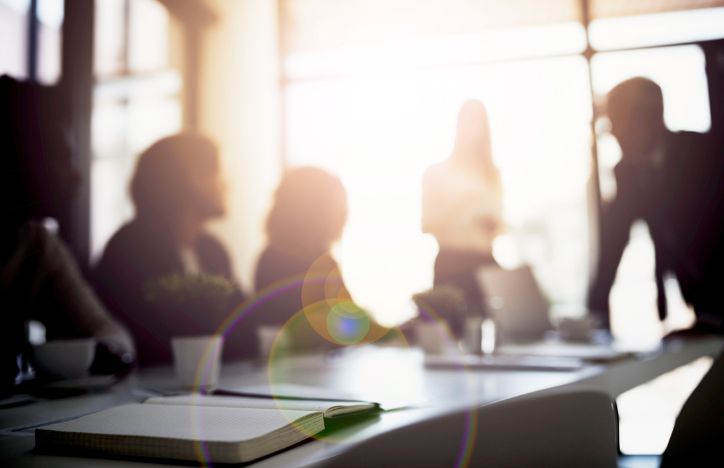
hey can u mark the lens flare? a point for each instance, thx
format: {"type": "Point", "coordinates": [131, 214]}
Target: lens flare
{"type": "Point", "coordinates": [329, 320]}
{"type": "Point", "coordinates": [347, 324]}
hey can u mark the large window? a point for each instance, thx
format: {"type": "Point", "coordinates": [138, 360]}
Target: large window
{"type": "Point", "coordinates": [50, 21]}
{"type": "Point", "coordinates": [137, 94]}
{"type": "Point", "coordinates": [31, 53]}
{"type": "Point", "coordinates": [136, 101]}
{"type": "Point", "coordinates": [379, 126]}
{"type": "Point", "coordinates": [376, 102]}
{"type": "Point", "coordinates": [379, 105]}
{"type": "Point", "coordinates": [13, 37]}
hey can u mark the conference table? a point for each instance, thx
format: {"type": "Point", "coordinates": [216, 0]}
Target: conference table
{"type": "Point", "coordinates": [394, 376]}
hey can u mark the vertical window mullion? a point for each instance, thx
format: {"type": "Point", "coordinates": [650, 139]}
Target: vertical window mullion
{"type": "Point", "coordinates": [126, 66]}
{"type": "Point", "coordinates": [33, 42]}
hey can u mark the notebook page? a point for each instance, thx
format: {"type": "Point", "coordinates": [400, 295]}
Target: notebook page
{"type": "Point", "coordinates": [215, 424]}
{"type": "Point", "coordinates": [229, 435]}
{"type": "Point", "coordinates": [330, 408]}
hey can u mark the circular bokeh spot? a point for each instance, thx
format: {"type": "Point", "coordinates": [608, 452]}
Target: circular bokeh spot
{"type": "Point", "coordinates": [347, 324]}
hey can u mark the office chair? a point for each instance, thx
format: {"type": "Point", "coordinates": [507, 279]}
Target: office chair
{"type": "Point", "coordinates": [699, 430]}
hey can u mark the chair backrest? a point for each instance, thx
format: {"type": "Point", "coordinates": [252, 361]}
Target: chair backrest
{"type": "Point", "coordinates": [699, 430]}
{"type": "Point", "coordinates": [550, 428]}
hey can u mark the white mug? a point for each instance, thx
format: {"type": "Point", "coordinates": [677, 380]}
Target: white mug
{"type": "Point", "coordinates": [67, 359]}
{"type": "Point", "coordinates": [472, 337]}
{"type": "Point", "coordinates": [577, 329]}
{"type": "Point", "coordinates": [433, 337]}
{"type": "Point", "coordinates": [270, 336]}
{"type": "Point", "coordinates": [197, 360]}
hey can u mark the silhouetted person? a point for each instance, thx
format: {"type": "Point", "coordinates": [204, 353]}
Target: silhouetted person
{"type": "Point", "coordinates": [296, 269]}
{"type": "Point", "coordinates": [462, 207]}
{"type": "Point", "coordinates": [39, 279]}
{"type": "Point", "coordinates": [672, 181]}
{"type": "Point", "coordinates": [176, 189]}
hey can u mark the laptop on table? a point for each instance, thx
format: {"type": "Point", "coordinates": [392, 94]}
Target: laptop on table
{"type": "Point", "coordinates": [521, 314]}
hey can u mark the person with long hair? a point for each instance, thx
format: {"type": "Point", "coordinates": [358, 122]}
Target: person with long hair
{"type": "Point", "coordinates": [462, 207]}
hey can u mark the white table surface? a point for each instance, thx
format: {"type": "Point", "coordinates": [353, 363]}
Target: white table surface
{"type": "Point", "coordinates": [392, 376]}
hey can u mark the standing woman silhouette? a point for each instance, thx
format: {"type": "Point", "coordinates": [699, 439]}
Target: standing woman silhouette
{"type": "Point", "coordinates": [462, 207]}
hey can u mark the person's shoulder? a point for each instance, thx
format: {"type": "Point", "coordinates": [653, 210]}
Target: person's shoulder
{"type": "Point", "coordinates": [213, 253]}
{"type": "Point", "coordinates": [273, 265]}
{"type": "Point", "coordinates": [695, 151]}
{"type": "Point", "coordinates": [691, 141]}
{"type": "Point", "coordinates": [128, 232]}
{"type": "Point", "coordinates": [276, 258]}
{"type": "Point", "coordinates": [126, 239]}
{"type": "Point", "coordinates": [266, 255]}
{"type": "Point", "coordinates": [208, 242]}
{"type": "Point", "coordinates": [127, 235]}
{"type": "Point", "coordinates": [439, 176]}
{"type": "Point", "coordinates": [688, 134]}
{"type": "Point", "coordinates": [325, 262]}
{"type": "Point", "coordinates": [276, 261]}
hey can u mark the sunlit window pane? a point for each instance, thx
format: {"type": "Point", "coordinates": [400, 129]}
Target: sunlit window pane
{"type": "Point", "coordinates": [136, 101]}
{"type": "Point", "coordinates": [121, 130]}
{"type": "Point", "coordinates": [664, 28]}
{"type": "Point", "coordinates": [110, 50]}
{"type": "Point", "coordinates": [450, 50]}
{"type": "Point", "coordinates": [148, 36]}
{"type": "Point", "coordinates": [13, 37]}
{"type": "Point", "coordinates": [50, 23]}
{"type": "Point", "coordinates": [619, 8]}
{"type": "Point", "coordinates": [380, 132]}
{"type": "Point", "coordinates": [647, 413]}
{"type": "Point", "coordinates": [320, 24]}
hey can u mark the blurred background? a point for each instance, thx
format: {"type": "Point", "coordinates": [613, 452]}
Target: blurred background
{"type": "Point", "coordinates": [370, 89]}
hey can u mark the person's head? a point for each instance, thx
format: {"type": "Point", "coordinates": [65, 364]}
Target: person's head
{"type": "Point", "coordinates": [37, 176]}
{"type": "Point", "coordinates": [472, 136]}
{"type": "Point", "coordinates": [177, 179]}
{"type": "Point", "coordinates": [636, 111]}
{"type": "Point", "coordinates": [309, 211]}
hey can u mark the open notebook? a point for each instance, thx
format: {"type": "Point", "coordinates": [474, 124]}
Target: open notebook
{"type": "Point", "coordinates": [193, 427]}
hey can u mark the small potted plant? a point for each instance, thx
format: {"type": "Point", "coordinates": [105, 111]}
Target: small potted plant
{"type": "Point", "coordinates": [191, 304]}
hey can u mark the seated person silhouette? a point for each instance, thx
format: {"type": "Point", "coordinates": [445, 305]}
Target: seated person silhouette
{"type": "Point", "coordinates": [462, 208]}
{"type": "Point", "coordinates": [672, 181]}
{"type": "Point", "coordinates": [297, 280]}
{"type": "Point", "coordinates": [39, 278]}
{"type": "Point", "coordinates": [176, 189]}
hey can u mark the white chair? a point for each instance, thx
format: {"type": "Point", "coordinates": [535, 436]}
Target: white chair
{"type": "Point", "coordinates": [556, 428]}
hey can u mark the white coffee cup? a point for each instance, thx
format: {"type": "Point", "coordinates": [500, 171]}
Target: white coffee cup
{"type": "Point", "coordinates": [270, 337]}
{"type": "Point", "coordinates": [472, 338]}
{"type": "Point", "coordinates": [433, 337]}
{"type": "Point", "coordinates": [577, 329]}
{"type": "Point", "coordinates": [197, 360]}
{"type": "Point", "coordinates": [67, 359]}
